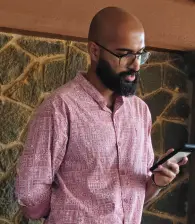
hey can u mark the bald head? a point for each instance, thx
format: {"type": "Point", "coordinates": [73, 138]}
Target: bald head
{"type": "Point", "coordinates": [116, 42]}
{"type": "Point", "coordinates": [111, 23]}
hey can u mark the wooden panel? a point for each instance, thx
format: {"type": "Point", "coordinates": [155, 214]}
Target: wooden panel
{"type": "Point", "coordinates": [168, 24]}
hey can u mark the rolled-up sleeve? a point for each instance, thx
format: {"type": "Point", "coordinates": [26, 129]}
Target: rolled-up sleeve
{"type": "Point", "coordinates": [43, 153]}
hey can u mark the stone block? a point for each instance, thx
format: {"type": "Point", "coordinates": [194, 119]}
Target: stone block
{"type": "Point", "coordinates": [157, 103]}
{"type": "Point", "coordinates": [13, 118]}
{"type": "Point", "coordinates": [54, 74]}
{"type": "Point", "coordinates": [174, 202]}
{"type": "Point", "coordinates": [23, 220]}
{"type": "Point", "coordinates": [20, 219]}
{"type": "Point", "coordinates": [8, 204]}
{"type": "Point", "coordinates": [40, 47]}
{"type": "Point", "coordinates": [24, 133]}
{"type": "Point", "coordinates": [13, 62]}
{"type": "Point", "coordinates": [158, 57]}
{"type": "Point", "coordinates": [8, 157]}
{"type": "Point", "coordinates": [76, 61]}
{"type": "Point", "coordinates": [80, 45]}
{"type": "Point", "coordinates": [177, 60]}
{"type": "Point", "coordinates": [30, 88]}
{"type": "Point", "coordinates": [151, 78]}
{"type": "Point", "coordinates": [139, 89]}
{"type": "Point", "coordinates": [174, 79]}
{"type": "Point", "coordinates": [189, 59]}
{"type": "Point", "coordinates": [4, 39]}
{"type": "Point", "coordinates": [152, 219]}
{"type": "Point", "coordinates": [5, 221]}
{"type": "Point", "coordinates": [178, 110]}
{"type": "Point", "coordinates": [174, 135]}
{"type": "Point", "coordinates": [157, 138]}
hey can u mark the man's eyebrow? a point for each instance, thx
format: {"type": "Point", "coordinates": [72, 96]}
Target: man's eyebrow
{"type": "Point", "coordinates": [129, 50]}
{"type": "Point", "coordinates": [124, 49]}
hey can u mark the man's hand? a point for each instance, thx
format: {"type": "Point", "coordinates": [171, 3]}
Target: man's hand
{"type": "Point", "coordinates": [163, 175]}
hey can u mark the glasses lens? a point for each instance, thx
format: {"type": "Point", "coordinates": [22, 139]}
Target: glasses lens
{"type": "Point", "coordinates": [129, 59]}
{"type": "Point", "coordinates": [144, 57]}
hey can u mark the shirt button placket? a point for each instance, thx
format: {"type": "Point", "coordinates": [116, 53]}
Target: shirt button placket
{"type": "Point", "coordinates": [118, 148]}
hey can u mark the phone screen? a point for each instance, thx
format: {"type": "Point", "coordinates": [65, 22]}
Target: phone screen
{"type": "Point", "coordinates": [179, 156]}
{"type": "Point", "coordinates": [176, 158]}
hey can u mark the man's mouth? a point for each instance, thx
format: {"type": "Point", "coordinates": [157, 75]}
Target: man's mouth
{"type": "Point", "coordinates": [130, 78]}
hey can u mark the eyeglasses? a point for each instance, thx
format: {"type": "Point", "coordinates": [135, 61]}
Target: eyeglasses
{"type": "Point", "coordinates": [128, 59]}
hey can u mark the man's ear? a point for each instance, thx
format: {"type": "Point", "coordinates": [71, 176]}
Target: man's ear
{"type": "Point", "coordinates": [94, 51]}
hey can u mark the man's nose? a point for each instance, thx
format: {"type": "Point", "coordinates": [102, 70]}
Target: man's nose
{"type": "Point", "coordinates": [136, 64]}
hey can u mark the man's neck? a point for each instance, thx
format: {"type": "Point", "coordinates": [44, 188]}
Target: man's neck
{"type": "Point", "coordinates": [106, 93]}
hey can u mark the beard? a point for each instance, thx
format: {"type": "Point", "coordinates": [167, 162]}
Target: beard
{"type": "Point", "coordinates": [116, 81]}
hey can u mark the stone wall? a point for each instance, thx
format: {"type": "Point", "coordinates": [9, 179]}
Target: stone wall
{"type": "Point", "coordinates": [31, 68]}
{"type": "Point", "coordinates": [167, 94]}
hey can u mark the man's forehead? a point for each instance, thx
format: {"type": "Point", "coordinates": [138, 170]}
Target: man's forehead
{"type": "Point", "coordinates": [132, 43]}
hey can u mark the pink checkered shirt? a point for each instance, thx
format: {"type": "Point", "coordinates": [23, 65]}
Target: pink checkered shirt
{"type": "Point", "coordinates": [92, 164]}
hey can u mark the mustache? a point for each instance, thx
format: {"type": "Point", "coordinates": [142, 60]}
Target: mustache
{"type": "Point", "coordinates": [130, 72]}
{"type": "Point", "coordinates": [138, 78]}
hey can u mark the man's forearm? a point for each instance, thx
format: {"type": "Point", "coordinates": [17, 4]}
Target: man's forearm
{"type": "Point", "coordinates": [34, 200]}
{"type": "Point", "coordinates": [151, 190]}
{"type": "Point", "coordinates": [36, 212]}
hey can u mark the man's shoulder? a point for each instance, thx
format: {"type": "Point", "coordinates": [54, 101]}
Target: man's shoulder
{"type": "Point", "coordinates": [69, 89]}
{"type": "Point", "coordinates": [62, 96]}
{"type": "Point", "coordinates": [141, 109]}
{"type": "Point", "coordinates": [66, 90]}
{"type": "Point", "coordinates": [139, 102]}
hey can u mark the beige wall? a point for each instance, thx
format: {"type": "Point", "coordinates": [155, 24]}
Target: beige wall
{"type": "Point", "coordinates": [168, 23]}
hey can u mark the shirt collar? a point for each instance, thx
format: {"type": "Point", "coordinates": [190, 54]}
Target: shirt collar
{"type": "Point", "coordinates": [94, 93]}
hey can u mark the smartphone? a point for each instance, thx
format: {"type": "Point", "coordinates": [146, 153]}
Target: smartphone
{"type": "Point", "coordinates": [175, 156]}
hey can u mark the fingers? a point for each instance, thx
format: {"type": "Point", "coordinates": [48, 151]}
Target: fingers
{"type": "Point", "coordinates": [168, 172]}
{"type": "Point", "coordinates": [183, 162]}
{"type": "Point", "coordinates": [174, 167]}
{"type": "Point", "coordinates": [169, 151]}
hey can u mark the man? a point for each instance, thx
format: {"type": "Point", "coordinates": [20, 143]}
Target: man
{"type": "Point", "coordinates": [88, 151]}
